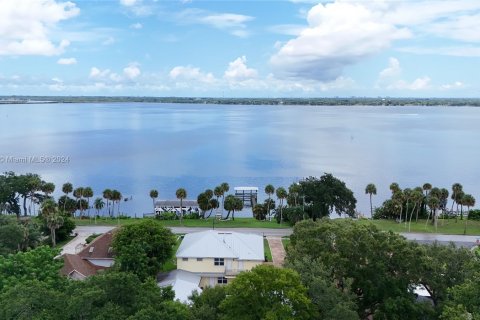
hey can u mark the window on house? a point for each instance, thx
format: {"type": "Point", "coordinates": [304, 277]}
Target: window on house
{"type": "Point", "coordinates": [222, 280]}
{"type": "Point", "coordinates": [199, 259]}
{"type": "Point", "coordinates": [184, 259]}
{"type": "Point", "coordinates": [219, 261]}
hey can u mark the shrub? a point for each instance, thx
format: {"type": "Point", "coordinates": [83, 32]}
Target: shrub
{"type": "Point", "coordinates": [166, 216]}
{"type": "Point", "coordinates": [474, 215]}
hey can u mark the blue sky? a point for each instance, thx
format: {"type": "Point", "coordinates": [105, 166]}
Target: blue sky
{"type": "Point", "coordinates": [296, 48]}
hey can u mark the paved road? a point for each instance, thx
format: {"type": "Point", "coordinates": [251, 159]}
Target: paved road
{"type": "Point", "coordinates": [83, 232]}
{"type": "Point", "coordinates": [459, 240]}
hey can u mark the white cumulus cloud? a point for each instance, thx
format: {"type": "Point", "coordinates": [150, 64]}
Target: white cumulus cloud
{"type": "Point", "coordinates": [338, 34]}
{"type": "Point", "coordinates": [344, 32]}
{"type": "Point", "coordinates": [132, 71]}
{"type": "Point", "coordinates": [136, 26]}
{"type": "Point", "coordinates": [185, 74]}
{"type": "Point", "coordinates": [238, 71]}
{"type": "Point", "coordinates": [26, 26]}
{"type": "Point", "coordinates": [67, 61]}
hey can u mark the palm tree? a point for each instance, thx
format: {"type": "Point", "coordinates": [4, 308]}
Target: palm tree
{"type": "Point", "coordinates": [427, 187]}
{"type": "Point", "coordinates": [107, 195]}
{"type": "Point", "coordinates": [98, 204]}
{"type": "Point", "coordinates": [181, 194]}
{"type": "Point", "coordinates": [232, 203]}
{"type": "Point", "coordinates": [398, 197]}
{"type": "Point", "coordinates": [417, 198]}
{"type": "Point", "coordinates": [53, 218]}
{"type": "Point", "coordinates": [459, 201]}
{"type": "Point", "coordinates": [88, 193]}
{"type": "Point", "coordinates": [456, 187]}
{"type": "Point", "coordinates": [469, 201]}
{"type": "Point", "coordinates": [48, 188]}
{"type": "Point", "coordinates": [433, 203]}
{"type": "Point", "coordinates": [66, 188]}
{"type": "Point", "coordinates": [281, 195]}
{"type": "Point", "coordinates": [218, 192]}
{"type": "Point", "coordinates": [394, 187]}
{"type": "Point", "coordinates": [269, 190]}
{"type": "Point", "coordinates": [225, 188]}
{"type": "Point", "coordinates": [371, 190]}
{"type": "Point", "coordinates": [153, 195]}
{"type": "Point", "coordinates": [407, 195]}
{"type": "Point", "coordinates": [116, 197]}
{"type": "Point", "coordinates": [78, 194]}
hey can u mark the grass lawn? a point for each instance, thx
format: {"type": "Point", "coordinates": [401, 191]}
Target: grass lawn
{"type": "Point", "coordinates": [285, 242]}
{"type": "Point", "coordinates": [171, 263]}
{"type": "Point", "coordinates": [266, 248]}
{"type": "Point", "coordinates": [208, 223]}
{"type": "Point", "coordinates": [444, 226]}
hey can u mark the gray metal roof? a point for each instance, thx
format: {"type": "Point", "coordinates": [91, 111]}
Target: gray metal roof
{"type": "Point", "coordinates": [176, 203]}
{"type": "Point", "coordinates": [183, 284]}
{"type": "Point", "coordinates": [221, 244]}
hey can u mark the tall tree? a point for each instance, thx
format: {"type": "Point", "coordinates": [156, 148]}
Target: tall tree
{"type": "Point", "coordinates": [53, 217]}
{"type": "Point", "coordinates": [269, 190]}
{"type": "Point", "coordinates": [78, 194]}
{"type": "Point", "coordinates": [371, 189]}
{"type": "Point", "coordinates": [181, 194]}
{"type": "Point", "coordinates": [225, 188]}
{"type": "Point", "coordinates": [48, 188]}
{"type": "Point", "coordinates": [427, 187]}
{"type": "Point", "coordinates": [153, 195]}
{"type": "Point", "coordinates": [456, 188]}
{"type": "Point", "coordinates": [107, 195]}
{"type": "Point", "coordinates": [281, 195]}
{"type": "Point", "coordinates": [98, 204]}
{"type": "Point", "coordinates": [432, 202]}
{"type": "Point", "coordinates": [231, 204]}
{"type": "Point", "coordinates": [469, 201]}
{"type": "Point", "coordinates": [116, 197]}
{"type": "Point", "coordinates": [328, 194]}
{"type": "Point", "coordinates": [143, 247]}
{"type": "Point", "coordinates": [66, 188]}
{"type": "Point", "coordinates": [267, 292]}
{"type": "Point", "coordinates": [218, 192]}
{"type": "Point", "coordinates": [88, 193]}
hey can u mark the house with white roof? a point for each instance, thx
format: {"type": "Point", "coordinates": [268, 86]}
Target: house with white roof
{"type": "Point", "coordinates": [215, 258]}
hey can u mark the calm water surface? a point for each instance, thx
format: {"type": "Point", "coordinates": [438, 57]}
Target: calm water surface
{"type": "Point", "coordinates": [136, 147]}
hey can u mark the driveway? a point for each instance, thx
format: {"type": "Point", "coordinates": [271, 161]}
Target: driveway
{"type": "Point", "coordinates": [83, 232]}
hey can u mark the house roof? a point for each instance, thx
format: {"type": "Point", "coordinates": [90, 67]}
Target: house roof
{"type": "Point", "coordinates": [183, 283]}
{"type": "Point", "coordinates": [100, 247]}
{"type": "Point", "coordinates": [220, 244]}
{"type": "Point", "coordinates": [176, 203]}
{"type": "Point", "coordinates": [73, 262]}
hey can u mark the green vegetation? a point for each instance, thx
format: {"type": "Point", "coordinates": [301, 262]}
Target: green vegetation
{"type": "Point", "coordinates": [268, 252]}
{"type": "Point", "coordinates": [205, 223]}
{"type": "Point", "coordinates": [354, 101]}
{"type": "Point", "coordinates": [374, 274]}
{"type": "Point", "coordinates": [171, 263]}
{"type": "Point", "coordinates": [447, 226]}
{"type": "Point", "coordinates": [92, 237]}
{"type": "Point", "coordinates": [285, 242]}
{"type": "Point", "coordinates": [143, 248]}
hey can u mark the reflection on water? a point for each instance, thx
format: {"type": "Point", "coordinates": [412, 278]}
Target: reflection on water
{"type": "Point", "coordinates": [137, 147]}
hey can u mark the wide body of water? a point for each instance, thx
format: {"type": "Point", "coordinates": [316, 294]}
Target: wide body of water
{"type": "Point", "coordinates": [136, 147]}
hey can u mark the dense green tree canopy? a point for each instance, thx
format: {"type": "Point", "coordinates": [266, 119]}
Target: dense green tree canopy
{"type": "Point", "coordinates": [267, 292]}
{"type": "Point", "coordinates": [328, 194]}
{"type": "Point", "coordinates": [143, 247]}
{"type": "Point", "coordinates": [378, 266]}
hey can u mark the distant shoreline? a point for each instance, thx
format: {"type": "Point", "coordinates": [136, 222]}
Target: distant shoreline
{"type": "Point", "coordinates": [352, 101]}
